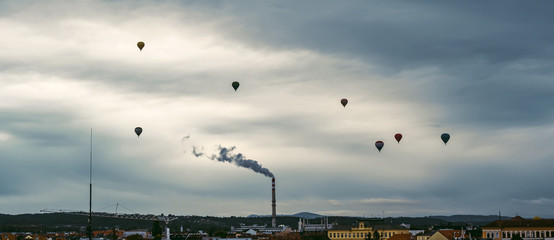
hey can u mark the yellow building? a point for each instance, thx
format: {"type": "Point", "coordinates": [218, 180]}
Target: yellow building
{"type": "Point", "coordinates": [448, 235]}
{"type": "Point", "coordinates": [364, 228]}
{"type": "Point", "coordinates": [35, 237]}
{"type": "Point", "coordinates": [526, 228]}
{"type": "Point", "coordinates": [424, 236]}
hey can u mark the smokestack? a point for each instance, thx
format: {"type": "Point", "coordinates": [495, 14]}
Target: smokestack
{"type": "Point", "coordinates": [273, 211]}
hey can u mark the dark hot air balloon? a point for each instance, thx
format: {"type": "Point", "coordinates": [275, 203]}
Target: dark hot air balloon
{"type": "Point", "coordinates": [344, 101]}
{"type": "Point", "coordinates": [398, 137]}
{"type": "Point", "coordinates": [379, 145]}
{"type": "Point", "coordinates": [138, 131]}
{"type": "Point", "coordinates": [140, 45]}
{"type": "Point", "coordinates": [445, 137]}
{"type": "Point", "coordinates": [235, 85]}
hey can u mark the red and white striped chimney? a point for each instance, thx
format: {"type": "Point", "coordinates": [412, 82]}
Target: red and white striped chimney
{"type": "Point", "coordinates": [273, 211]}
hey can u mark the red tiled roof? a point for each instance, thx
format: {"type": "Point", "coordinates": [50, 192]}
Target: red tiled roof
{"type": "Point", "coordinates": [451, 234]}
{"type": "Point", "coordinates": [402, 236]}
{"type": "Point", "coordinates": [521, 222]}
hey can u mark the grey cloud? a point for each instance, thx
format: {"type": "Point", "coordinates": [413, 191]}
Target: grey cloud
{"type": "Point", "coordinates": [28, 160]}
{"type": "Point", "coordinates": [539, 201]}
{"type": "Point", "coordinates": [465, 184]}
{"type": "Point", "coordinates": [474, 45]}
{"type": "Point", "coordinates": [387, 201]}
{"type": "Point", "coordinates": [490, 72]}
{"type": "Point", "coordinates": [403, 33]}
{"type": "Point", "coordinates": [298, 130]}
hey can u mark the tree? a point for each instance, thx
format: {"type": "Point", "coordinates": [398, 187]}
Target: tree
{"type": "Point", "coordinates": [376, 235]}
{"type": "Point", "coordinates": [134, 237]}
{"type": "Point", "coordinates": [368, 237]}
{"type": "Point", "coordinates": [157, 230]}
{"type": "Point", "coordinates": [287, 236]}
{"type": "Point", "coordinates": [212, 229]}
{"type": "Point", "coordinates": [113, 235]}
{"type": "Point", "coordinates": [220, 234]}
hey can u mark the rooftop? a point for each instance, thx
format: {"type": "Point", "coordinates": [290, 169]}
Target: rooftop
{"type": "Point", "coordinates": [521, 222]}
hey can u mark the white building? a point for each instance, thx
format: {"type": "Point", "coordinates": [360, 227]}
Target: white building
{"type": "Point", "coordinates": [305, 226]}
{"type": "Point", "coordinates": [259, 228]}
{"type": "Point", "coordinates": [142, 233]}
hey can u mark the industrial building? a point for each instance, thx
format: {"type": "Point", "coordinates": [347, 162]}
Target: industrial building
{"type": "Point", "coordinates": [259, 229]}
{"type": "Point", "coordinates": [305, 226]}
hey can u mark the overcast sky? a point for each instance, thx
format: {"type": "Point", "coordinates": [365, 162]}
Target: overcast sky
{"type": "Point", "coordinates": [481, 71]}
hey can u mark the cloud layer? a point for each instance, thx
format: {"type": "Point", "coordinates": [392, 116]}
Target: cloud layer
{"type": "Point", "coordinates": [479, 71]}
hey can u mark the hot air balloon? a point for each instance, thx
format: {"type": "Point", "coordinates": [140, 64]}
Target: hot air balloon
{"type": "Point", "coordinates": [344, 101]}
{"type": "Point", "coordinates": [140, 45]}
{"type": "Point", "coordinates": [445, 137]}
{"type": "Point", "coordinates": [235, 85]}
{"type": "Point", "coordinates": [379, 145]}
{"type": "Point", "coordinates": [138, 131]}
{"type": "Point", "coordinates": [398, 137]}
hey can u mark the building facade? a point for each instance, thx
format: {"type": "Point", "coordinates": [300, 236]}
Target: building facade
{"type": "Point", "coordinates": [526, 228]}
{"type": "Point", "coordinates": [305, 226]}
{"type": "Point", "coordinates": [259, 228]}
{"type": "Point", "coordinates": [448, 234]}
{"type": "Point", "coordinates": [364, 229]}
{"type": "Point", "coordinates": [423, 236]}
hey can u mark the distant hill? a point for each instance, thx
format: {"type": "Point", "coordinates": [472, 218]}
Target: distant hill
{"type": "Point", "coordinates": [470, 218]}
{"type": "Point", "coordinates": [307, 215]}
{"type": "Point", "coordinates": [59, 221]}
{"type": "Point", "coordinates": [474, 219]}
{"type": "Point", "coordinates": [259, 216]}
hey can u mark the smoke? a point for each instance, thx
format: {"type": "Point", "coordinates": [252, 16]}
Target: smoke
{"type": "Point", "coordinates": [183, 142]}
{"type": "Point", "coordinates": [196, 152]}
{"type": "Point", "coordinates": [188, 147]}
{"type": "Point", "coordinates": [225, 155]}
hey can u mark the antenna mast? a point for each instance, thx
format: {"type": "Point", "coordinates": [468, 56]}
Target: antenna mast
{"type": "Point", "coordinates": [90, 192]}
